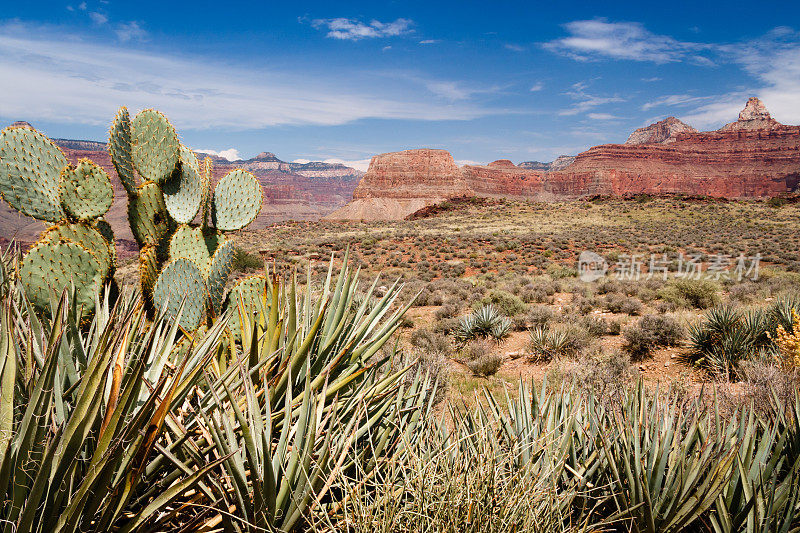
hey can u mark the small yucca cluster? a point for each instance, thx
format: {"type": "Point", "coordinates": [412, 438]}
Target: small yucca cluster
{"type": "Point", "coordinates": [486, 322]}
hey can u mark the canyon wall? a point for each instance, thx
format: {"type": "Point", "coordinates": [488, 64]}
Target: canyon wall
{"type": "Point", "coordinates": [754, 156]}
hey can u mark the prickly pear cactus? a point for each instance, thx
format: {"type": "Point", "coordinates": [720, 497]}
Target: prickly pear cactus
{"type": "Point", "coordinates": [37, 179]}
{"type": "Point", "coordinates": [177, 217]}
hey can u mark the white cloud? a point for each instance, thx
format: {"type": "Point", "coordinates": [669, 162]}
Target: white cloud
{"type": "Point", "coordinates": [98, 18]}
{"type": "Point", "coordinates": [589, 39]}
{"type": "Point", "coordinates": [82, 6]}
{"type": "Point", "coordinates": [231, 154]}
{"type": "Point", "coordinates": [354, 30]}
{"type": "Point", "coordinates": [651, 80]}
{"type": "Point", "coordinates": [385, 48]}
{"type": "Point", "coordinates": [514, 47]}
{"type": "Point", "coordinates": [130, 31]}
{"type": "Point", "coordinates": [538, 86]}
{"type": "Point", "coordinates": [429, 41]}
{"type": "Point", "coordinates": [462, 162]}
{"type": "Point", "coordinates": [86, 82]}
{"type": "Point", "coordinates": [602, 116]}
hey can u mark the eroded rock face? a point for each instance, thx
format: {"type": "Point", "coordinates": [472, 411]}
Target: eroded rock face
{"type": "Point", "coordinates": [422, 173]}
{"type": "Point", "coordinates": [753, 157]}
{"type": "Point", "coordinates": [754, 116]}
{"type": "Point", "coordinates": [661, 132]}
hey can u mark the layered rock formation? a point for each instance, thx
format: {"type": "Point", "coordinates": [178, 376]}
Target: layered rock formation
{"type": "Point", "coordinates": [662, 132]}
{"type": "Point", "coordinates": [753, 157]}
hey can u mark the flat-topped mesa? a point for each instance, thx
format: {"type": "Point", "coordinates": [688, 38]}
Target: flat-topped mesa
{"type": "Point", "coordinates": [662, 132]}
{"type": "Point", "coordinates": [420, 173]}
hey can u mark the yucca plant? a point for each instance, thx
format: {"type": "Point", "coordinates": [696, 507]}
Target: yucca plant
{"type": "Point", "coordinates": [485, 322]}
{"type": "Point", "coordinates": [727, 336]}
{"type": "Point", "coordinates": [82, 413]}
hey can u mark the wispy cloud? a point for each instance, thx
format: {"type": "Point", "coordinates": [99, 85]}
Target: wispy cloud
{"type": "Point", "coordinates": [86, 82]}
{"type": "Point", "coordinates": [585, 101]}
{"type": "Point", "coordinates": [355, 30]}
{"type": "Point", "coordinates": [430, 41]}
{"type": "Point", "coordinates": [98, 18]}
{"type": "Point", "coordinates": [773, 61]}
{"type": "Point", "coordinates": [538, 86]}
{"type": "Point", "coordinates": [675, 100]}
{"type": "Point", "coordinates": [514, 47]}
{"type": "Point", "coordinates": [599, 38]}
{"type": "Point", "coordinates": [130, 31]}
{"type": "Point", "coordinates": [231, 154]}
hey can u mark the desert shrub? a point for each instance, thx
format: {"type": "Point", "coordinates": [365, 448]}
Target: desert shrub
{"type": "Point", "coordinates": [539, 315]}
{"type": "Point", "coordinates": [486, 365]}
{"type": "Point", "coordinates": [726, 336]}
{"type": "Point", "coordinates": [244, 260]}
{"type": "Point", "coordinates": [430, 341]}
{"type": "Point", "coordinates": [698, 293]}
{"type": "Point", "coordinates": [486, 322]}
{"type": "Point", "coordinates": [449, 309]}
{"type": "Point", "coordinates": [503, 301]}
{"type": "Point", "coordinates": [598, 326]}
{"type": "Point", "coordinates": [582, 305]}
{"type": "Point", "coordinates": [561, 272]}
{"type": "Point", "coordinates": [650, 332]}
{"type": "Point", "coordinates": [619, 303]}
{"type": "Point", "coordinates": [767, 383]}
{"type": "Point", "coordinates": [476, 349]}
{"type": "Point", "coordinates": [604, 376]}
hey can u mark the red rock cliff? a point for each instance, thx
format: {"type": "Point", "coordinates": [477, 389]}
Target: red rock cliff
{"type": "Point", "coordinates": [753, 157]}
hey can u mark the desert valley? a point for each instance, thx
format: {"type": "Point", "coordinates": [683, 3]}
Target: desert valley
{"type": "Point", "coordinates": [487, 271]}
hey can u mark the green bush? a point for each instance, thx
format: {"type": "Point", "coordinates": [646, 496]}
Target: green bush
{"type": "Point", "coordinates": [701, 294]}
{"type": "Point", "coordinates": [504, 301]}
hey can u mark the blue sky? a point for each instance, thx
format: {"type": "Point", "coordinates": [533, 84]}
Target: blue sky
{"type": "Point", "coordinates": [321, 80]}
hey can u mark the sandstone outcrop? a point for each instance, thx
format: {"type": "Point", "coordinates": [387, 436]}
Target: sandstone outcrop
{"type": "Point", "coordinates": [661, 132]}
{"type": "Point", "coordinates": [753, 157]}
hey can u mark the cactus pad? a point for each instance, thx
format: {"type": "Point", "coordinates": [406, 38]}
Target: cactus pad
{"type": "Point", "coordinates": [250, 291]}
{"type": "Point", "coordinates": [237, 201]}
{"type": "Point", "coordinates": [154, 146]}
{"type": "Point", "coordinates": [206, 174]}
{"type": "Point", "coordinates": [147, 214]}
{"type": "Point", "coordinates": [221, 266]}
{"type": "Point", "coordinates": [49, 268]}
{"type": "Point", "coordinates": [85, 235]}
{"type": "Point", "coordinates": [183, 193]}
{"type": "Point", "coordinates": [119, 147]}
{"type": "Point", "coordinates": [148, 270]}
{"type": "Point", "coordinates": [181, 279]}
{"type": "Point", "coordinates": [30, 169]}
{"type": "Point", "coordinates": [189, 157]}
{"type": "Point", "coordinates": [85, 191]}
{"type": "Point", "coordinates": [196, 245]}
